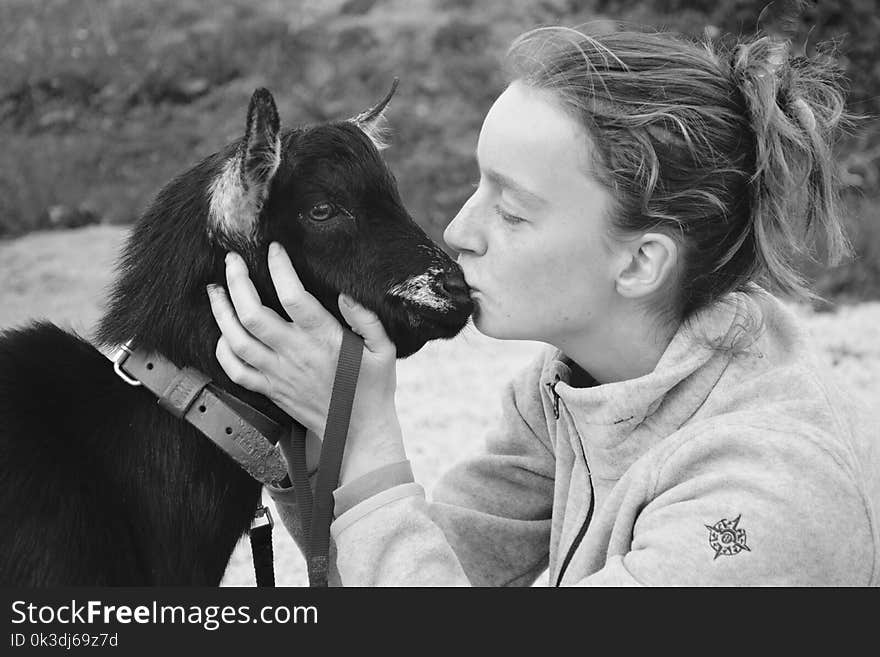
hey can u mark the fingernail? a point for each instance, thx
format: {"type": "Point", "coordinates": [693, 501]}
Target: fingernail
{"type": "Point", "coordinates": [347, 300]}
{"type": "Point", "coordinates": [274, 249]}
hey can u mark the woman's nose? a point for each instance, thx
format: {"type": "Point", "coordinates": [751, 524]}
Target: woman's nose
{"type": "Point", "coordinates": [461, 234]}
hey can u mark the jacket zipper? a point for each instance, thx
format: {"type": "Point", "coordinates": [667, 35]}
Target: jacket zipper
{"type": "Point", "coordinates": [551, 386]}
{"type": "Point", "coordinates": [581, 532]}
{"type": "Point", "coordinates": [583, 529]}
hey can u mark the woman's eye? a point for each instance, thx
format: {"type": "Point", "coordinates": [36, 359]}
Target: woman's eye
{"type": "Point", "coordinates": [322, 211]}
{"type": "Point", "coordinates": [509, 218]}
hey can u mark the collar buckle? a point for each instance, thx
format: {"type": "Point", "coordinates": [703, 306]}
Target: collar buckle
{"type": "Point", "coordinates": [121, 356]}
{"type": "Point", "coordinates": [262, 518]}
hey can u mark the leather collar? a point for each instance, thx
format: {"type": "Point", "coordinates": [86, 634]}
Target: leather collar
{"type": "Point", "coordinates": [248, 436]}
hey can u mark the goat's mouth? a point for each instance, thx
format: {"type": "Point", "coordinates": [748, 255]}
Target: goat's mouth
{"type": "Point", "coordinates": [420, 318]}
{"type": "Point", "coordinates": [428, 306]}
{"type": "Point", "coordinates": [415, 325]}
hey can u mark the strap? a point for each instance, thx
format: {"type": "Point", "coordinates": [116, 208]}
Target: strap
{"type": "Point", "coordinates": [251, 439]}
{"type": "Point", "coordinates": [316, 511]}
{"type": "Point", "coordinates": [243, 432]}
{"type": "Point", "coordinates": [300, 475]}
{"type": "Point", "coordinates": [261, 547]}
{"type": "Point", "coordinates": [269, 428]}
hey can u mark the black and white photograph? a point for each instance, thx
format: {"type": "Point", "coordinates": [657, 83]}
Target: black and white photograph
{"type": "Point", "coordinates": [437, 293]}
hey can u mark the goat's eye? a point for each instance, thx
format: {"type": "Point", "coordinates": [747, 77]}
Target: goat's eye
{"type": "Point", "coordinates": [322, 211]}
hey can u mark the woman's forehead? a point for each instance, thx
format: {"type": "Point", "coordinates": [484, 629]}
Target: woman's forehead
{"type": "Point", "coordinates": [528, 138]}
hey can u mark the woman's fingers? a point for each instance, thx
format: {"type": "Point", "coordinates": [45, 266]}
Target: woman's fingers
{"type": "Point", "coordinates": [259, 321]}
{"type": "Point", "coordinates": [235, 337]}
{"type": "Point", "coordinates": [238, 370]}
{"type": "Point", "coordinates": [367, 325]}
{"type": "Point", "coordinates": [302, 308]}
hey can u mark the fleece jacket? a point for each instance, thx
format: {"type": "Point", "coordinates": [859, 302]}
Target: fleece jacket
{"type": "Point", "coordinates": [737, 461]}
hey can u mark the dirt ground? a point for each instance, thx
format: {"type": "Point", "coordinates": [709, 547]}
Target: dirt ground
{"type": "Point", "coordinates": [448, 393]}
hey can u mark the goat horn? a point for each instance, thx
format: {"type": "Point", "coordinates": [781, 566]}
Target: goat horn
{"type": "Point", "coordinates": [370, 114]}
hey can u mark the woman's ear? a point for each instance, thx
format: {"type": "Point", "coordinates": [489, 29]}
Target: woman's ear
{"type": "Point", "coordinates": [650, 268]}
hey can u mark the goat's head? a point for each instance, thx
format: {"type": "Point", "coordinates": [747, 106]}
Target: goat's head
{"type": "Point", "coordinates": [325, 193]}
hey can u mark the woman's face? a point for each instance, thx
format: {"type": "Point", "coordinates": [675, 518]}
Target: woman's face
{"type": "Point", "coordinates": [533, 238]}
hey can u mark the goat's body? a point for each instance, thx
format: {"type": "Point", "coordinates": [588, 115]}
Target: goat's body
{"type": "Point", "coordinates": [98, 484]}
{"type": "Point", "coordinates": [101, 486]}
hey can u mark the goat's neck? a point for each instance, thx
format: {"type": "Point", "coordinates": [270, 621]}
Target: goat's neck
{"type": "Point", "coordinates": [159, 300]}
{"type": "Point", "coordinates": [182, 329]}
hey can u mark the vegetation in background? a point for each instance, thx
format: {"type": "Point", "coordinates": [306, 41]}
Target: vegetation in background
{"type": "Point", "coordinates": [103, 101]}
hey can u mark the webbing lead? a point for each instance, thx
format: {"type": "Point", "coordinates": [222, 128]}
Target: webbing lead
{"type": "Point", "coordinates": [316, 509]}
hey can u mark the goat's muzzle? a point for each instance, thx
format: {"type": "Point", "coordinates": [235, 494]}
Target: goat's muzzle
{"type": "Point", "coordinates": [455, 288]}
{"type": "Point", "coordinates": [437, 302]}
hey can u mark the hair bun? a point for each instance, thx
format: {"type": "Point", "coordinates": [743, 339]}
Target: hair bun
{"type": "Point", "coordinates": [793, 106]}
{"type": "Point", "coordinates": [762, 72]}
{"type": "Point", "coordinates": [775, 85]}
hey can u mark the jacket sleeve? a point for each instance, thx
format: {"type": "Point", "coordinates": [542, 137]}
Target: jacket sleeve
{"type": "Point", "coordinates": [488, 524]}
{"type": "Point", "coordinates": [753, 506]}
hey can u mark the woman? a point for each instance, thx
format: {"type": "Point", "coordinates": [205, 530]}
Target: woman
{"type": "Point", "coordinates": [638, 193]}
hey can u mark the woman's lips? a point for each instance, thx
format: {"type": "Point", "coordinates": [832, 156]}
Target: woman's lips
{"type": "Point", "coordinates": [472, 289]}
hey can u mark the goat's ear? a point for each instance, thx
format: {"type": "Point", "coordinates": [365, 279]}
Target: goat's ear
{"type": "Point", "coordinates": [238, 192]}
{"type": "Point", "coordinates": [373, 122]}
{"type": "Point", "coordinates": [261, 149]}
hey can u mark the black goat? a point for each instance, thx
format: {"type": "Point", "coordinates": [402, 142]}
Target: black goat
{"type": "Point", "coordinates": [98, 484]}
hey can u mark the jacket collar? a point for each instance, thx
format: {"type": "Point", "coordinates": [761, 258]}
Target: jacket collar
{"type": "Point", "coordinates": [605, 415]}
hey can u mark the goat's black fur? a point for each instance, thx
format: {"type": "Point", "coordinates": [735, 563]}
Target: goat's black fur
{"type": "Point", "coordinates": [100, 486]}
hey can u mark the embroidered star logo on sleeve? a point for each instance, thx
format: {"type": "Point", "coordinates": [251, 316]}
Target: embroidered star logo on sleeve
{"type": "Point", "coordinates": [726, 538]}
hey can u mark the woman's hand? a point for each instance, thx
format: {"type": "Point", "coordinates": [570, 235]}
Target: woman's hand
{"type": "Point", "coordinates": [294, 363]}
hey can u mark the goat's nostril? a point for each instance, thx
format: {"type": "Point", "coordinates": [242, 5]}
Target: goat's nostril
{"type": "Point", "coordinates": [454, 285]}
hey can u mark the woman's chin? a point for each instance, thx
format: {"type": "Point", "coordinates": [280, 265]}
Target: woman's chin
{"type": "Point", "coordinates": [491, 329]}
{"type": "Point", "coordinates": [493, 325]}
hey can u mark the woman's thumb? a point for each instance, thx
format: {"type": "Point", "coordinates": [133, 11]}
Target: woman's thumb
{"type": "Point", "coordinates": [366, 324]}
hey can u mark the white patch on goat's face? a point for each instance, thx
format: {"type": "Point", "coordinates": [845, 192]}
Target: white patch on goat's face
{"type": "Point", "coordinates": [418, 290]}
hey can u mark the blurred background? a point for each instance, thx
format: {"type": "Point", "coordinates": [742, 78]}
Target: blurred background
{"type": "Point", "coordinates": [103, 101]}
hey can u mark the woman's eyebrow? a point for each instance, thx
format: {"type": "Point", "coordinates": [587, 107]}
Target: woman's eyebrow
{"type": "Point", "coordinates": [514, 187]}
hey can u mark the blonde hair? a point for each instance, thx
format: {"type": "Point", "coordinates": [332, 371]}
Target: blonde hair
{"type": "Point", "coordinates": [727, 150]}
